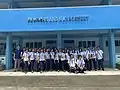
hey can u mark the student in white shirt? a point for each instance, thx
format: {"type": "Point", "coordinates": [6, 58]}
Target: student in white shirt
{"type": "Point", "coordinates": [42, 60]}
{"type": "Point", "coordinates": [26, 60]}
{"type": "Point", "coordinates": [52, 57]}
{"type": "Point", "coordinates": [100, 59]}
{"type": "Point", "coordinates": [63, 57]}
{"type": "Point", "coordinates": [72, 63]}
{"type": "Point", "coordinates": [93, 57]}
{"type": "Point", "coordinates": [86, 58]}
{"type": "Point", "coordinates": [32, 59]}
{"type": "Point", "coordinates": [67, 56]}
{"type": "Point", "coordinates": [37, 56]}
{"type": "Point", "coordinates": [47, 57]}
{"type": "Point", "coordinates": [56, 61]}
{"type": "Point", "coordinates": [80, 64]}
{"type": "Point", "coordinates": [90, 59]}
{"type": "Point", "coordinates": [22, 61]}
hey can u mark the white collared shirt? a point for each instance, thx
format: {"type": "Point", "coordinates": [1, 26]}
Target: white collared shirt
{"type": "Point", "coordinates": [32, 55]}
{"type": "Point", "coordinates": [37, 55]}
{"type": "Point", "coordinates": [63, 56]}
{"type": "Point", "coordinates": [42, 56]}
{"type": "Point", "coordinates": [25, 55]}
{"type": "Point", "coordinates": [47, 55]}
{"type": "Point", "coordinates": [72, 62]}
{"type": "Point", "coordinates": [56, 56]}
{"type": "Point", "coordinates": [52, 55]}
{"type": "Point", "coordinates": [99, 54]}
{"type": "Point", "coordinates": [80, 63]}
{"type": "Point", "coordinates": [93, 53]}
{"type": "Point", "coordinates": [86, 54]}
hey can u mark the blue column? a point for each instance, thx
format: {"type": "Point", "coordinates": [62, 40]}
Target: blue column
{"type": "Point", "coordinates": [101, 42]}
{"type": "Point", "coordinates": [59, 40]}
{"type": "Point", "coordinates": [9, 51]}
{"type": "Point", "coordinates": [111, 49]}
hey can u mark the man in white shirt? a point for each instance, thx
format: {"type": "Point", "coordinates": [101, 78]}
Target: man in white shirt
{"type": "Point", "coordinates": [93, 57]}
{"type": "Point", "coordinates": [86, 54]}
{"type": "Point", "coordinates": [100, 59]}
{"type": "Point", "coordinates": [47, 57]}
{"type": "Point", "coordinates": [56, 60]}
{"type": "Point", "coordinates": [52, 57]}
{"type": "Point", "coordinates": [42, 60]}
{"type": "Point", "coordinates": [32, 60]}
{"type": "Point", "coordinates": [26, 59]}
{"type": "Point", "coordinates": [37, 56]}
{"type": "Point", "coordinates": [63, 60]}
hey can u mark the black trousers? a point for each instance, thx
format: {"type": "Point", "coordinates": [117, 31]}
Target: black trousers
{"type": "Point", "coordinates": [51, 64]}
{"type": "Point", "coordinates": [86, 64]}
{"type": "Point", "coordinates": [90, 64]}
{"type": "Point", "coordinates": [22, 65]}
{"type": "Point", "coordinates": [32, 64]}
{"type": "Point", "coordinates": [100, 64]}
{"type": "Point", "coordinates": [56, 65]}
{"type": "Point", "coordinates": [41, 65]}
{"type": "Point", "coordinates": [26, 66]}
{"type": "Point", "coordinates": [66, 65]}
{"type": "Point", "coordinates": [94, 63]}
{"type": "Point", "coordinates": [63, 65]}
{"type": "Point", "coordinates": [36, 65]}
{"type": "Point", "coordinates": [47, 64]}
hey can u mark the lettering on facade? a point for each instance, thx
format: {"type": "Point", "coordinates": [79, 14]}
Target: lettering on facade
{"type": "Point", "coordinates": [57, 19]}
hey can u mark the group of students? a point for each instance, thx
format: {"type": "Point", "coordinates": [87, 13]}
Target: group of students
{"type": "Point", "coordinates": [71, 60]}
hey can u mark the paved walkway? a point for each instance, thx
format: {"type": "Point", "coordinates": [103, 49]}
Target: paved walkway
{"type": "Point", "coordinates": [87, 73]}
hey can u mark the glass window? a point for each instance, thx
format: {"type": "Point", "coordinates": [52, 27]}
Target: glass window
{"type": "Point", "coordinates": [89, 43]}
{"type": "Point", "coordinates": [35, 44]}
{"type": "Point", "coordinates": [50, 41]}
{"type": "Point", "coordinates": [27, 45]}
{"type": "Point", "coordinates": [116, 43]}
{"type": "Point", "coordinates": [80, 44]}
{"type": "Point", "coordinates": [106, 43]}
{"type": "Point", "coordinates": [31, 45]}
{"type": "Point", "coordinates": [39, 44]}
{"type": "Point", "coordinates": [93, 43]}
{"type": "Point", "coordinates": [84, 44]}
{"type": "Point", "coordinates": [68, 41]}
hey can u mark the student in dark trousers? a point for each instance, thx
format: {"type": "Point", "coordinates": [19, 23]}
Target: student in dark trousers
{"type": "Point", "coordinates": [26, 60]}
{"type": "Point", "coordinates": [41, 61]}
{"type": "Point", "coordinates": [32, 59]}
{"type": "Point", "coordinates": [47, 57]}
{"type": "Point", "coordinates": [94, 60]}
{"type": "Point", "coordinates": [56, 61]}
{"type": "Point", "coordinates": [52, 57]}
{"type": "Point", "coordinates": [17, 61]}
{"type": "Point", "coordinates": [22, 61]}
{"type": "Point", "coordinates": [100, 59]}
{"type": "Point", "coordinates": [63, 57]}
{"type": "Point", "coordinates": [37, 56]}
{"type": "Point", "coordinates": [89, 60]}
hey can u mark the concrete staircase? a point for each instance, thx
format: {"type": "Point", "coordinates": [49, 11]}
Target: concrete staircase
{"type": "Point", "coordinates": [60, 82]}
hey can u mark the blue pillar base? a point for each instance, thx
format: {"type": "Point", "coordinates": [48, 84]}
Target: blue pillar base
{"type": "Point", "coordinates": [111, 49]}
{"type": "Point", "coordinates": [9, 51]}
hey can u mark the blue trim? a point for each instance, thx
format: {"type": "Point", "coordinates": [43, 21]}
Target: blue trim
{"type": "Point", "coordinates": [111, 48]}
{"type": "Point", "coordinates": [9, 51]}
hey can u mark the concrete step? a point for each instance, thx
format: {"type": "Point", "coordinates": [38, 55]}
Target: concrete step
{"type": "Point", "coordinates": [66, 82]}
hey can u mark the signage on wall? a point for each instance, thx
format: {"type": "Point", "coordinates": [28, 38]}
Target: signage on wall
{"type": "Point", "coordinates": [57, 19]}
